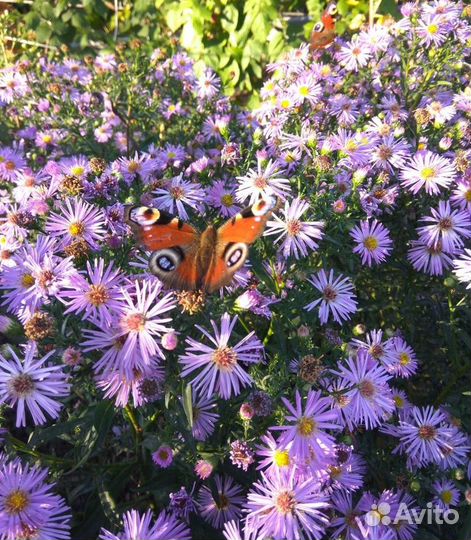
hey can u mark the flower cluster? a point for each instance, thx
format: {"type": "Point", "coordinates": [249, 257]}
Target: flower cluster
{"type": "Point", "coordinates": [326, 379]}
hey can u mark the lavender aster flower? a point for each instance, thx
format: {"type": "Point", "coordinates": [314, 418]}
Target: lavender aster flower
{"type": "Point", "coordinates": [463, 268]}
{"type": "Point", "coordinates": [307, 435]}
{"type": "Point", "coordinates": [262, 183]}
{"type": "Point", "coordinates": [373, 242]}
{"type": "Point", "coordinates": [139, 527]}
{"type": "Point", "coordinates": [32, 385]}
{"type": "Point", "coordinates": [281, 507]}
{"type": "Point", "coordinates": [300, 236]}
{"type": "Point", "coordinates": [178, 194]}
{"type": "Point", "coordinates": [222, 371]}
{"type": "Point", "coordinates": [227, 504]}
{"type": "Point", "coordinates": [337, 298]}
{"type": "Point", "coordinates": [429, 171]}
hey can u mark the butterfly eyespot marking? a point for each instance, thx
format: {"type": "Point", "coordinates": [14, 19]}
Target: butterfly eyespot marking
{"type": "Point", "coordinates": [165, 260]}
{"type": "Point", "coordinates": [143, 215]}
{"type": "Point", "coordinates": [332, 10]}
{"type": "Point", "coordinates": [319, 27]}
{"type": "Point", "coordinates": [235, 254]}
{"type": "Point", "coordinates": [261, 207]}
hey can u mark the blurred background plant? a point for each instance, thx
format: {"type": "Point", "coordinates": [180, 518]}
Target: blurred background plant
{"type": "Point", "coordinates": [237, 38]}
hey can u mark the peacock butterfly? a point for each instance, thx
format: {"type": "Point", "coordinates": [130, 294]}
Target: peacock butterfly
{"type": "Point", "coordinates": [323, 33]}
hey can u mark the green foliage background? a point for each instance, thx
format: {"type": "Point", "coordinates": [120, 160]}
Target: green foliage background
{"type": "Point", "coordinates": [237, 38]}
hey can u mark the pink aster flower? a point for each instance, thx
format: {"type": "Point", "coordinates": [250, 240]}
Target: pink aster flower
{"type": "Point", "coordinates": [373, 242]}
{"type": "Point", "coordinates": [354, 55]}
{"type": "Point", "coordinates": [299, 236]}
{"type": "Point", "coordinates": [307, 435]}
{"type": "Point", "coordinates": [262, 183]}
{"type": "Point", "coordinates": [428, 171]}
{"type": "Point", "coordinates": [77, 219]}
{"type": "Point", "coordinates": [446, 228]}
{"type": "Point", "coordinates": [221, 371]}
{"type": "Point", "coordinates": [338, 297]}
{"type": "Point", "coordinates": [281, 507]}
{"type": "Point", "coordinates": [32, 385]}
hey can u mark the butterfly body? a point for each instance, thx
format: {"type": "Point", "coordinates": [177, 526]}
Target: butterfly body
{"type": "Point", "coordinates": [323, 34]}
{"type": "Point", "coordinates": [184, 258]}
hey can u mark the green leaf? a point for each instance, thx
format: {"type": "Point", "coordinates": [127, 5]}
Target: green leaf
{"type": "Point", "coordinates": [389, 7]}
{"type": "Point", "coordinates": [188, 404]}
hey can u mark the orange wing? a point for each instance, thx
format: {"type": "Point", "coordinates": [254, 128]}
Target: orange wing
{"type": "Point", "coordinates": [233, 240]}
{"type": "Point", "coordinates": [323, 33]}
{"type": "Point", "coordinates": [155, 229]}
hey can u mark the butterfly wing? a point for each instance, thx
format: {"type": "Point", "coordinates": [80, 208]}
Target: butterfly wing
{"type": "Point", "coordinates": [233, 241]}
{"type": "Point", "coordinates": [174, 245]}
{"type": "Point", "coordinates": [323, 33]}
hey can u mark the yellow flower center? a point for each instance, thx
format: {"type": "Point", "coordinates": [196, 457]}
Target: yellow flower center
{"type": "Point", "coordinates": [76, 229]}
{"type": "Point", "coordinates": [304, 91]}
{"type": "Point", "coordinates": [306, 426]}
{"type": "Point", "coordinates": [281, 458]}
{"type": "Point", "coordinates": [399, 401]}
{"type": "Point", "coordinates": [285, 103]}
{"type": "Point", "coordinates": [467, 195]}
{"type": "Point", "coordinates": [227, 200]}
{"type": "Point", "coordinates": [77, 170]}
{"type": "Point", "coordinates": [351, 146]}
{"type": "Point", "coordinates": [133, 166]}
{"type": "Point", "coordinates": [16, 502]}
{"type": "Point", "coordinates": [371, 243]}
{"type": "Point", "coordinates": [47, 139]}
{"type": "Point", "coordinates": [447, 496]}
{"type": "Point", "coordinates": [27, 281]}
{"type": "Point", "coordinates": [432, 29]}
{"type": "Point", "coordinates": [404, 359]}
{"type": "Point", "coordinates": [427, 173]}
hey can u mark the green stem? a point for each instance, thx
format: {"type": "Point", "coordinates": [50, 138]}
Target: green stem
{"type": "Point", "coordinates": [133, 420]}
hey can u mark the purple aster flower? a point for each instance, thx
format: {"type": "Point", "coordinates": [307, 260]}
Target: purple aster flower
{"type": "Point", "coordinates": [222, 197]}
{"type": "Point", "coordinates": [178, 193]}
{"type": "Point", "coordinates": [28, 508]}
{"type": "Point", "coordinates": [78, 166]}
{"type": "Point", "coordinates": [432, 30]}
{"type": "Point", "coordinates": [456, 451]}
{"type": "Point", "coordinates": [32, 385]}
{"type": "Point", "coordinates": [430, 259]}
{"type": "Point", "coordinates": [12, 162]}
{"type": "Point", "coordinates": [446, 227]}
{"type": "Point", "coordinates": [347, 470]}
{"type": "Point", "coordinates": [337, 298]}
{"type": "Point", "coordinates": [369, 396]}
{"type": "Point", "coordinates": [222, 371]}
{"type": "Point", "coordinates": [142, 165]}
{"type": "Point", "coordinates": [355, 148]}
{"type": "Point", "coordinates": [375, 346]}
{"type": "Point", "coordinates": [402, 361]}
{"type": "Point", "coordinates": [139, 321]}
{"type": "Point", "coordinates": [446, 494]}
{"type": "Point", "coordinates": [307, 435]}
{"type": "Point", "coordinates": [281, 507]}
{"type": "Point", "coordinates": [13, 85]}
{"type": "Point", "coordinates": [347, 523]}
{"type": "Point", "coordinates": [208, 85]}
{"type": "Point", "coordinates": [461, 195]}
{"type": "Point", "coordinates": [429, 171]}
{"type": "Point", "coordinates": [204, 417]}
{"type": "Point", "coordinates": [274, 454]}
{"type": "Point", "coordinates": [182, 503]}
{"type": "Point", "coordinates": [140, 527]}
{"type": "Point", "coordinates": [390, 153]}
{"type": "Point", "coordinates": [77, 219]}
{"type": "Point", "coordinates": [262, 183]}
{"type": "Point", "coordinates": [462, 267]}
{"type": "Point", "coordinates": [241, 454]}
{"type": "Point", "coordinates": [423, 436]}
{"type": "Point", "coordinates": [300, 236]}
{"type": "Point", "coordinates": [373, 242]}
{"type": "Point", "coordinates": [163, 456]}
{"type": "Point", "coordinates": [98, 298]}
{"type": "Point", "coordinates": [378, 514]}
{"type": "Point", "coordinates": [227, 504]}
